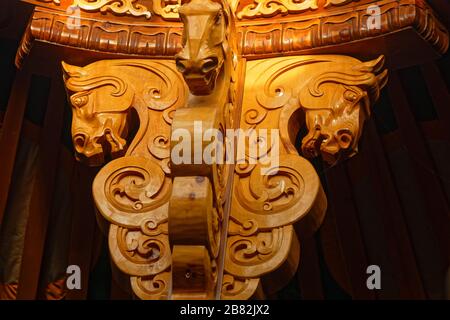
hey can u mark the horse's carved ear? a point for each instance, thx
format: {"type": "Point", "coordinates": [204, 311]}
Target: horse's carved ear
{"type": "Point", "coordinates": [373, 66]}
{"type": "Point", "coordinates": [70, 70]}
{"type": "Point", "coordinates": [382, 79]}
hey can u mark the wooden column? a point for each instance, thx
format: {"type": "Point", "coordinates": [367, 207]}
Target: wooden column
{"type": "Point", "coordinates": [83, 228]}
{"type": "Point", "coordinates": [439, 94]}
{"type": "Point", "coordinates": [345, 214]}
{"type": "Point", "coordinates": [436, 201]}
{"type": "Point", "coordinates": [386, 238]}
{"type": "Point", "coordinates": [41, 201]}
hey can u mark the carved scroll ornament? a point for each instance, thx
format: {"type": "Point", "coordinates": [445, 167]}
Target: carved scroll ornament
{"type": "Point", "coordinates": [129, 7]}
{"type": "Point", "coordinates": [56, 2]}
{"type": "Point", "coordinates": [167, 9]}
{"type": "Point", "coordinates": [269, 8]}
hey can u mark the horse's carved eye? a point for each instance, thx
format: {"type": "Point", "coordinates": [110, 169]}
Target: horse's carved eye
{"type": "Point", "coordinates": [180, 65]}
{"type": "Point", "coordinates": [218, 18]}
{"type": "Point", "coordinates": [80, 100]}
{"type": "Point", "coordinates": [210, 64]}
{"type": "Point", "coordinates": [350, 96]}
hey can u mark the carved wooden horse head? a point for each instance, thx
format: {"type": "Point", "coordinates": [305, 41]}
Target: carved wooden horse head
{"type": "Point", "coordinates": [335, 118]}
{"type": "Point", "coordinates": [100, 109]}
{"type": "Point", "coordinates": [205, 43]}
{"type": "Point", "coordinates": [102, 95]}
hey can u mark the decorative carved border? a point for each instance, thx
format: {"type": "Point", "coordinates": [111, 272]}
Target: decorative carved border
{"type": "Point", "coordinates": [56, 2]}
{"type": "Point", "coordinates": [127, 7]}
{"type": "Point", "coordinates": [293, 34]}
{"type": "Point", "coordinates": [270, 8]}
{"type": "Point", "coordinates": [310, 32]}
{"type": "Point", "coordinates": [167, 9]}
{"type": "Point", "coordinates": [162, 41]}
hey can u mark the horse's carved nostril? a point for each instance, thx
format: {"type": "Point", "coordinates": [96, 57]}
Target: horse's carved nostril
{"type": "Point", "coordinates": [345, 138]}
{"type": "Point", "coordinates": [209, 64]}
{"type": "Point", "coordinates": [325, 137]}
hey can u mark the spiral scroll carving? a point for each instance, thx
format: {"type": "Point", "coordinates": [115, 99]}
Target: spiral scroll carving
{"type": "Point", "coordinates": [127, 190]}
{"type": "Point", "coordinates": [238, 289]}
{"type": "Point", "coordinates": [280, 199]}
{"type": "Point", "coordinates": [152, 287]}
{"type": "Point", "coordinates": [255, 255]}
{"type": "Point", "coordinates": [138, 254]}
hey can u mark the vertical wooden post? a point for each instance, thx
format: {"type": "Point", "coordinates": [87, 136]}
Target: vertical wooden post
{"type": "Point", "coordinates": [436, 201]}
{"type": "Point", "coordinates": [9, 139]}
{"type": "Point", "coordinates": [439, 93]}
{"type": "Point", "coordinates": [41, 200]}
{"type": "Point", "coordinates": [345, 213]}
{"type": "Point", "coordinates": [83, 228]}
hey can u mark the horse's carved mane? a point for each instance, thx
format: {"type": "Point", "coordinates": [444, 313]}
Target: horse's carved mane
{"type": "Point", "coordinates": [364, 75]}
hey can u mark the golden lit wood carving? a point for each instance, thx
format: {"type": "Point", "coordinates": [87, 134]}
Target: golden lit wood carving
{"type": "Point", "coordinates": [337, 102]}
{"type": "Point", "coordinates": [168, 9]}
{"type": "Point", "coordinates": [331, 96]}
{"type": "Point", "coordinates": [269, 8]}
{"type": "Point", "coordinates": [129, 7]}
{"type": "Point", "coordinates": [184, 221]}
{"type": "Point", "coordinates": [132, 192]}
{"type": "Point", "coordinates": [300, 33]}
{"type": "Point", "coordinates": [57, 2]}
{"type": "Point", "coordinates": [208, 63]}
{"type": "Point", "coordinates": [337, 2]}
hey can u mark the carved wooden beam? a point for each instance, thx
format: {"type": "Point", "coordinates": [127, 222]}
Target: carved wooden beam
{"type": "Point", "coordinates": [263, 31]}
